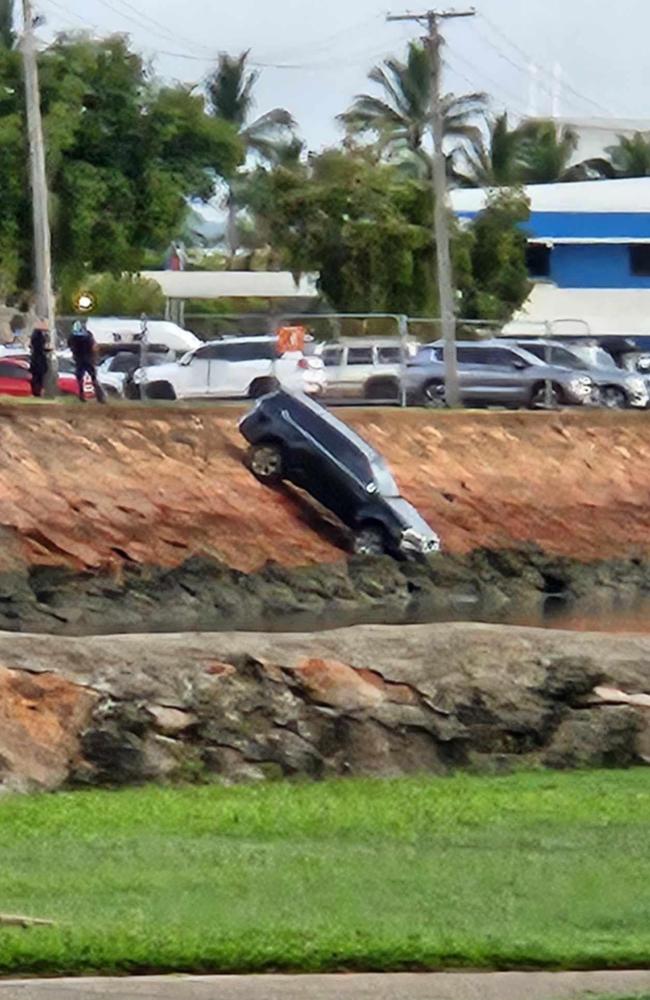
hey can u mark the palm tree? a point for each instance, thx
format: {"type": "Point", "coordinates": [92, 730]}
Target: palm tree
{"type": "Point", "coordinates": [631, 157]}
{"type": "Point", "coordinates": [546, 152]}
{"type": "Point", "coordinates": [401, 116]}
{"type": "Point", "coordinates": [492, 160]}
{"type": "Point", "coordinates": [230, 96]}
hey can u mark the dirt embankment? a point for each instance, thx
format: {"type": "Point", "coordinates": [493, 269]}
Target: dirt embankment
{"type": "Point", "coordinates": [92, 489]}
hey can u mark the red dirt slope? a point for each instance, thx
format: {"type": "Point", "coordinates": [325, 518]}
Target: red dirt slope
{"type": "Point", "coordinates": [93, 487]}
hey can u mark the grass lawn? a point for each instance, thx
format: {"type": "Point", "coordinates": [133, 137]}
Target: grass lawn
{"type": "Point", "coordinates": [539, 869]}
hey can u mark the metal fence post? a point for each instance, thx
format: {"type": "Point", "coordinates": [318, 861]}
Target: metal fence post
{"type": "Point", "coordinates": [548, 387]}
{"type": "Point", "coordinates": [403, 327]}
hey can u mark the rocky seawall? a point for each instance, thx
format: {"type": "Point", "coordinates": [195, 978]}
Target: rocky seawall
{"type": "Point", "coordinates": [373, 701]}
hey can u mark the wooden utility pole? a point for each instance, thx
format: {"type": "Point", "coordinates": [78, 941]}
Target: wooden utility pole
{"type": "Point", "coordinates": [42, 243]}
{"type": "Point", "coordinates": [433, 40]}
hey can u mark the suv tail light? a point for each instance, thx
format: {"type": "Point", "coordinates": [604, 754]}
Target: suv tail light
{"type": "Point", "coordinates": [311, 363]}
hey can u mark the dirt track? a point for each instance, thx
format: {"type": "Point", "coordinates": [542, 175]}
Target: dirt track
{"type": "Point", "coordinates": [97, 487]}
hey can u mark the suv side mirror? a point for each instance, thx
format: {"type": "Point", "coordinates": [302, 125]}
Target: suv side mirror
{"type": "Point", "coordinates": [520, 364]}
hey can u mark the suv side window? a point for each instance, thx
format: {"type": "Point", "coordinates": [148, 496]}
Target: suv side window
{"type": "Point", "coordinates": [486, 356]}
{"type": "Point", "coordinates": [502, 356]}
{"type": "Point", "coordinates": [332, 357]}
{"type": "Point", "coordinates": [389, 355]}
{"type": "Point", "coordinates": [473, 356]}
{"type": "Point", "coordinates": [360, 356]}
{"type": "Point", "coordinates": [208, 353]}
{"type": "Point", "coordinates": [232, 351]}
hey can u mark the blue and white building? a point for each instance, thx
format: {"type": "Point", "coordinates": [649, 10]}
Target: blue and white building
{"type": "Point", "coordinates": [588, 252]}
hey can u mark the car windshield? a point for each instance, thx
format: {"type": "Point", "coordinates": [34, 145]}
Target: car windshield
{"type": "Point", "coordinates": [593, 355]}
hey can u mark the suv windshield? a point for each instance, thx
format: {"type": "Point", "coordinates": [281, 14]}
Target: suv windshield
{"type": "Point", "coordinates": [593, 355]}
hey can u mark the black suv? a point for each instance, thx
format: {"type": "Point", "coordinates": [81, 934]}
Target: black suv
{"type": "Point", "coordinates": [294, 438]}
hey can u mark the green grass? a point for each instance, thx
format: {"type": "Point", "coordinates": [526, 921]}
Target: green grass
{"type": "Point", "coordinates": [545, 870]}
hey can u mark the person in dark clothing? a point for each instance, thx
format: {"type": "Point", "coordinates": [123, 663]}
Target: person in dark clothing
{"type": "Point", "coordinates": [39, 349]}
{"type": "Point", "coordinates": [82, 344]}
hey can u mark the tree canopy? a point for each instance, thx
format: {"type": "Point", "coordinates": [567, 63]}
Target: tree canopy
{"type": "Point", "coordinates": [123, 154]}
{"type": "Point", "coordinates": [365, 228]}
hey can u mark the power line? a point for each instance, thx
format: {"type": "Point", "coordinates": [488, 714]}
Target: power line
{"type": "Point", "coordinates": [491, 81]}
{"type": "Point", "coordinates": [528, 59]}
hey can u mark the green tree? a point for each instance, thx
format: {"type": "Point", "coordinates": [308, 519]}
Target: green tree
{"type": "Point", "coordinates": [400, 117]}
{"type": "Point", "coordinates": [631, 156]}
{"type": "Point", "coordinates": [362, 226]}
{"type": "Point", "coordinates": [490, 258]}
{"type": "Point", "coordinates": [7, 34]}
{"type": "Point", "coordinates": [270, 137]}
{"type": "Point", "coordinates": [123, 155]}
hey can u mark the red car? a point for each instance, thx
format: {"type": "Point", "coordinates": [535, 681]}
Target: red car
{"type": "Point", "coordinates": [15, 380]}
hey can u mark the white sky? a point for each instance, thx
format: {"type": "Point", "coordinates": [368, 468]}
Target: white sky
{"type": "Point", "coordinates": [331, 44]}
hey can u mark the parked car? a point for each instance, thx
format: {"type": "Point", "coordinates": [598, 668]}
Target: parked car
{"type": "Point", "coordinates": [294, 438]}
{"type": "Point", "coordinates": [114, 371]}
{"type": "Point", "coordinates": [15, 379]}
{"type": "Point", "coordinates": [233, 367]}
{"type": "Point", "coordinates": [496, 374]}
{"type": "Point", "coordinates": [364, 369]}
{"type": "Point", "coordinates": [617, 389]}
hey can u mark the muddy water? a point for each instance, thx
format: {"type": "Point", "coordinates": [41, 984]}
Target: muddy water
{"type": "Point", "coordinates": [617, 615]}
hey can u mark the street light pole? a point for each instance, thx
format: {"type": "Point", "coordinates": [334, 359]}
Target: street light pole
{"type": "Point", "coordinates": [44, 298]}
{"type": "Point", "coordinates": [446, 292]}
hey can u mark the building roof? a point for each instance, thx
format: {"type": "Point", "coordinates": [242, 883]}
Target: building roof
{"type": "Point", "coordinates": [233, 284]}
{"type": "Point", "coordinates": [629, 196]}
{"type": "Point", "coordinates": [587, 211]}
{"type": "Point", "coordinates": [599, 311]}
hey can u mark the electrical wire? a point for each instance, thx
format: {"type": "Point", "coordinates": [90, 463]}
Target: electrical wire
{"type": "Point", "coordinates": [528, 60]}
{"type": "Point", "coordinates": [494, 84]}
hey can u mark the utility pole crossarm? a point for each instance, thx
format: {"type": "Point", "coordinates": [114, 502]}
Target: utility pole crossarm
{"type": "Point", "coordinates": [433, 41]}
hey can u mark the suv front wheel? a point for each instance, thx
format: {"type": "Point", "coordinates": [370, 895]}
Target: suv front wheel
{"type": "Point", "coordinates": [369, 540]}
{"type": "Point", "coordinates": [433, 395]}
{"type": "Point", "coordinates": [266, 462]}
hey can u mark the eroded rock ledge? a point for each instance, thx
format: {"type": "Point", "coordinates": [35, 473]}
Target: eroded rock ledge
{"type": "Point", "coordinates": [375, 700]}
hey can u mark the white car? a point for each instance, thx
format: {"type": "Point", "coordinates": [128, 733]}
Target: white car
{"type": "Point", "coordinates": [233, 368]}
{"type": "Point", "coordinates": [113, 373]}
{"type": "Point", "coordinates": [364, 369]}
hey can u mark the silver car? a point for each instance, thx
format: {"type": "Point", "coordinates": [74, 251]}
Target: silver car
{"type": "Point", "coordinates": [494, 373]}
{"type": "Point", "coordinates": [617, 389]}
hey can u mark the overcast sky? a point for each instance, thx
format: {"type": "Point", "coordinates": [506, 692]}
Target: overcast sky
{"type": "Point", "coordinates": [317, 52]}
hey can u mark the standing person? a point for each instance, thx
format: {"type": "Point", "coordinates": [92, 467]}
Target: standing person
{"type": "Point", "coordinates": [82, 344]}
{"type": "Point", "coordinates": [39, 349]}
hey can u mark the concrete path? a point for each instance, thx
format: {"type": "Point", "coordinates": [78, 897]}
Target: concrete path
{"type": "Point", "coordinates": [444, 986]}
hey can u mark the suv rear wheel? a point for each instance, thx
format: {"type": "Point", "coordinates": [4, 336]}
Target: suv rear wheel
{"type": "Point", "coordinates": [384, 389]}
{"type": "Point", "coordinates": [266, 462]}
{"type": "Point", "coordinates": [262, 387]}
{"type": "Point", "coordinates": [369, 540]}
{"type": "Point", "coordinates": [158, 390]}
